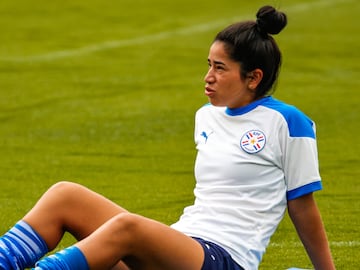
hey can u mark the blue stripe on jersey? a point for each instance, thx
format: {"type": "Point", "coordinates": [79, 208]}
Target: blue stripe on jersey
{"type": "Point", "coordinates": [298, 123]}
{"type": "Point", "coordinates": [303, 190]}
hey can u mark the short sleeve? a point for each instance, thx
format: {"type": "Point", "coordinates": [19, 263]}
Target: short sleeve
{"type": "Point", "coordinates": [301, 165]}
{"type": "Point", "coordinates": [300, 155]}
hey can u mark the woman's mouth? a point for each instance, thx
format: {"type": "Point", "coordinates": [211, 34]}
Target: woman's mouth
{"type": "Point", "coordinates": [209, 91]}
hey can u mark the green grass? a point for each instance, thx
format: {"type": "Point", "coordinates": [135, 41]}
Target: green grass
{"type": "Point", "coordinates": [118, 117]}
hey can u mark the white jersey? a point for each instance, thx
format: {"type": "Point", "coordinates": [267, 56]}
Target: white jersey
{"type": "Point", "coordinates": [250, 161]}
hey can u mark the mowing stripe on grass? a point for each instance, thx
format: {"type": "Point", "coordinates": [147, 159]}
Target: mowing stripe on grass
{"type": "Point", "coordinates": [332, 243]}
{"type": "Point", "coordinates": [200, 28]}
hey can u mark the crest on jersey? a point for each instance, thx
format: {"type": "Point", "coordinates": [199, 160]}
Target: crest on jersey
{"type": "Point", "coordinates": [253, 141]}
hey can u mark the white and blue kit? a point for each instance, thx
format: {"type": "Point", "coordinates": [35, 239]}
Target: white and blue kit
{"type": "Point", "coordinates": [250, 161]}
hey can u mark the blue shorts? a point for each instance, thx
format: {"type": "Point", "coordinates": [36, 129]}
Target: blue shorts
{"type": "Point", "coordinates": [216, 258]}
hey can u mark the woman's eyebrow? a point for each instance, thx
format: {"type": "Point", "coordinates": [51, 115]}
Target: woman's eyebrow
{"type": "Point", "coordinates": [217, 62]}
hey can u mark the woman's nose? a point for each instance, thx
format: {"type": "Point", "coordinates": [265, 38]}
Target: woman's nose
{"type": "Point", "coordinates": [209, 77]}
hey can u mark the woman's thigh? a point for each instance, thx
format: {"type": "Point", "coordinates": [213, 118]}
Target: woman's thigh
{"type": "Point", "coordinates": [141, 243]}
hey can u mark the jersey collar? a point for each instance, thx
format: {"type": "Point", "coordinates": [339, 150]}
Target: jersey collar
{"type": "Point", "coordinates": [247, 108]}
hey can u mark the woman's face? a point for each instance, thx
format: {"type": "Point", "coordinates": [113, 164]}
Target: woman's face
{"type": "Point", "coordinates": [224, 85]}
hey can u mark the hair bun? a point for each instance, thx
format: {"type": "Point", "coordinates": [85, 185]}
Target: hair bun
{"type": "Point", "coordinates": [270, 21]}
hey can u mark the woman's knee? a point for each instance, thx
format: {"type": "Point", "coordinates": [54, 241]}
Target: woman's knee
{"type": "Point", "coordinates": [64, 194]}
{"type": "Point", "coordinates": [126, 222]}
{"type": "Point", "coordinates": [66, 189]}
{"type": "Point", "coordinates": [63, 186]}
{"type": "Point", "coordinates": [123, 231]}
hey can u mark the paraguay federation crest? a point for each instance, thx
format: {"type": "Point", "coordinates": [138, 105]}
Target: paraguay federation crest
{"type": "Point", "coordinates": [253, 141]}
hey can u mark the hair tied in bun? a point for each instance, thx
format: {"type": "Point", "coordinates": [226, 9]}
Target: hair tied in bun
{"type": "Point", "coordinates": [270, 21]}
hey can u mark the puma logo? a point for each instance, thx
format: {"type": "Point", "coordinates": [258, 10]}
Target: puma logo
{"type": "Point", "coordinates": [206, 136]}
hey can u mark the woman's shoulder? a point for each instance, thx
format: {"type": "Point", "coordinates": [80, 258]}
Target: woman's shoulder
{"type": "Point", "coordinates": [286, 109]}
{"type": "Point", "coordinates": [299, 124]}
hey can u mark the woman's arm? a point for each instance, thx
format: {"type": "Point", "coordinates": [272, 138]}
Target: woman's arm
{"type": "Point", "coordinates": [306, 217]}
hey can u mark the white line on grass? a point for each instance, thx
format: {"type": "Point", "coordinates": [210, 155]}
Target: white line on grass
{"type": "Point", "coordinates": [332, 243]}
{"type": "Point", "coordinates": [112, 44]}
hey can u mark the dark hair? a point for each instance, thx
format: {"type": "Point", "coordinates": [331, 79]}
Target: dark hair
{"type": "Point", "coordinates": [250, 43]}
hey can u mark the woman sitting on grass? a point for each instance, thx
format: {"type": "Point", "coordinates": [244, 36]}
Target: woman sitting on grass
{"type": "Point", "coordinates": [256, 157]}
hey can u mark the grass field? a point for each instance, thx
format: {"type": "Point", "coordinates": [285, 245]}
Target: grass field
{"type": "Point", "coordinates": [104, 93]}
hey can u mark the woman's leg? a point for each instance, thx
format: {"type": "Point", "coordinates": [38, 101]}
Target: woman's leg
{"type": "Point", "coordinates": [64, 207]}
{"type": "Point", "coordinates": [69, 207]}
{"type": "Point", "coordinates": [141, 243]}
{"type": "Point", "coordinates": [110, 235]}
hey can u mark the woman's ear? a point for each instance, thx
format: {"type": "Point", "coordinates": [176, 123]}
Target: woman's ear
{"type": "Point", "coordinates": [254, 78]}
